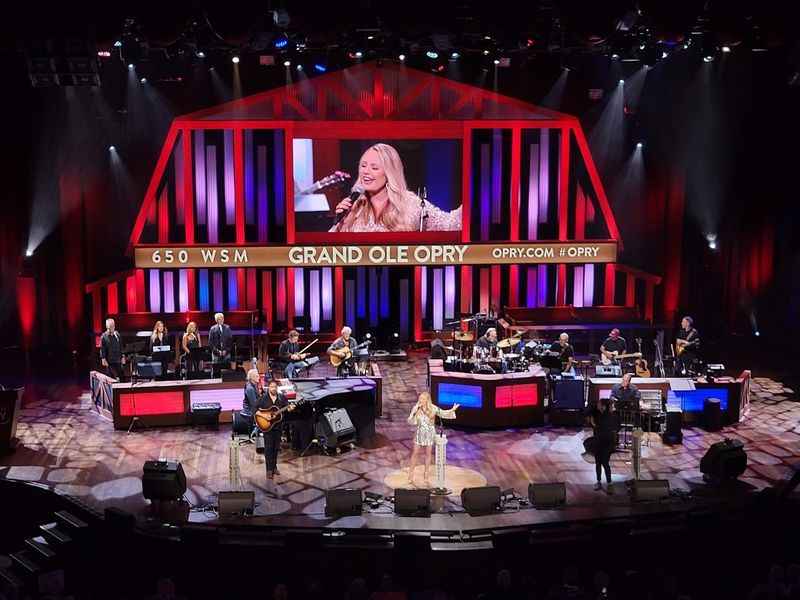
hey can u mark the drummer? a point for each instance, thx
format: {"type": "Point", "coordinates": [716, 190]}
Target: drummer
{"type": "Point", "coordinates": [486, 346]}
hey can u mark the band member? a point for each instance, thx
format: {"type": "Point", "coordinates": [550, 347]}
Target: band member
{"type": "Point", "coordinates": [160, 338]}
{"type": "Point", "coordinates": [190, 341]}
{"type": "Point", "coordinates": [111, 356]}
{"type": "Point", "coordinates": [605, 426]}
{"type": "Point", "coordinates": [626, 394]}
{"type": "Point", "coordinates": [289, 353]}
{"type": "Point", "coordinates": [253, 391]}
{"type": "Point", "coordinates": [687, 347]}
{"type": "Point", "coordinates": [613, 345]}
{"type": "Point", "coordinates": [423, 416]}
{"type": "Point", "coordinates": [486, 345]}
{"type": "Point", "coordinates": [386, 203]}
{"type": "Point", "coordinates": [565, 353]}
{"type": "Point", "coordinates": [338, 348]}
{"type": "Point", "coordinates": [272, 438]}
{"type": "Point", "coordinates": [220, 339]}
{"type": "Point", "coordinates": [438, 349]}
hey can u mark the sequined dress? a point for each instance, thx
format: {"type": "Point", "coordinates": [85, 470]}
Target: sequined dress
{"type": "Point", "coordinates": [437, 220]}
{"type": "Point", "coordinates": [426, 430]}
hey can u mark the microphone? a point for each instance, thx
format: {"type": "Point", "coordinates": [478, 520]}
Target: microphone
{"type": "Point", "coordinates": [354, 194]}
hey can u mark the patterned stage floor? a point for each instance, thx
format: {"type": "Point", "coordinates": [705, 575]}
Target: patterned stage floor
{"type": "Point", "coordinates": [67, 446]}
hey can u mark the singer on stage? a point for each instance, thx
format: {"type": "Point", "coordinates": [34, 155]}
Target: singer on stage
{"type": "Point", "coordinates": [423, 416]}
{"type": "Point", "coordinates": [381, 201]}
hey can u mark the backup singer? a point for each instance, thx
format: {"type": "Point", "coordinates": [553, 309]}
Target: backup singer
{"type": "Point", "coordinates": [337, 348]}
{"type": "Point", "coordinates": [687, 347]}
{"type": "Point", "coordinates": [111, 356]}
{"type": "Point", "coordinates": [158, 338]}
{"type": "Point", "coordinates": [220, 339]}
{"type": "Point", "coordinates": [289, 353]}
{"type": "Point", "coordinates": [605, 426]}
{"type": "Point", "coordinates": [423, 416]}
{"type": "Point", "coordinates": [613, 345]}
{"type": "Point", "coordinates": [272, 438]}
{"type": "Point", "coordinates": [386, 203]}
{"type": "Point", "coordinates": [190, 341]}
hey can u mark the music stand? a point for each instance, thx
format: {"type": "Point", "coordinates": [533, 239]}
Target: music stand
{"type": "Point", "coordinates": [196, 356]}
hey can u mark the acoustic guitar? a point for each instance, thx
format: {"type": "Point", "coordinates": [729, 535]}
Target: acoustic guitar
{"type": "Point", "coordinates": [344, 354]}
{"type": "Point", "coordinates": [641, 368]}
{"type": "Point", "coordinates": [609, 357]}
{"type": "Point", "coordinates": [267, 418]}
{"type": "Point", "coordinates": [333, 179]}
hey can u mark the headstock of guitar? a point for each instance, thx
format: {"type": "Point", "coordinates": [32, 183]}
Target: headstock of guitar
{"type": "Point", "coordinates": [334, 178]}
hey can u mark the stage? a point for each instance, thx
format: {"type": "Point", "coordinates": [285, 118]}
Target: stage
{"type": "Point", "coordinates": [67, 446]}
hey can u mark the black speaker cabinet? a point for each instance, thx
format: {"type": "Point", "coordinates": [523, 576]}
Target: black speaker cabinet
{"type": "Point", "coordinates": [568, 394]}
{"type": "Point", "coordinates": [656, 489]}
{"type": "Point", "coordinates": [724, 460]}
{"type": "Point", "coordinates": [712, 414]}
{"type": "Point", "coordinates": [480, 500]}
{"type": "Point", "coordinates": [163, 480]}
{"type": "Point", "coordinates": [336, 428]}
{"type": "Point", "coordinates": [412, 503]}
{"type": "Point", "coordinates": [236, 503]}
{"type": "Point", "coordinates": [343, 503]}
{"type": "Point", "coordinates": [547, 495]}
{"type": "Point", "coordinates": [672, 430]}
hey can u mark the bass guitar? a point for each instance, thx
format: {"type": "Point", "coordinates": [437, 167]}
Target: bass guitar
{"type": "Point", "coordinates": [267, 418]}
{"type": "Point", "coordinates": [608, 358]}
{"type": "Point", "coordinates": [344, 354]}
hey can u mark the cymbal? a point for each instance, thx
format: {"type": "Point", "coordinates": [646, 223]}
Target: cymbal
{"type": "Point", "coordinates": [464, 336]}
{"type": "Point", "coordinates": [508, 342]}
{"type": "Point", "coordinates": [511, 356]}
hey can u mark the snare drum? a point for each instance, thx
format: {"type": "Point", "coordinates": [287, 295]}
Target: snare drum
{"type": "Point", "coordinates": [484, 369]}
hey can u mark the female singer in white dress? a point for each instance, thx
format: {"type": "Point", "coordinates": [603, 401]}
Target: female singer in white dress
{"type": "Point", "coordinates": [423, 416]}
{"type": "Point", "coordinates": [386, 203]}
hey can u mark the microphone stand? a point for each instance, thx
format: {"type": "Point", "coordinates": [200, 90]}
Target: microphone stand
{"type": "Point", "coordinates": [423, 214]}
{"type": "Point", "coordinates": [440, 460]}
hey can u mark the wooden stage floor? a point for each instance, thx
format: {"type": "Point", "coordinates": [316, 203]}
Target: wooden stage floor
{"type": "Point", "coordinates": [65, 445]}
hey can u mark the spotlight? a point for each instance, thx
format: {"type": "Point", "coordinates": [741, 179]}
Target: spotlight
{"type": "Point", "coordinates": [639, 145]}
{"type": "Point", "coordinates": [319, 68]}
{"type": "Point", "coordinates": [686, 46]}
{"type": "Point", "coordinates": [708, 58]}
{"type": "Point", "coordinates": [118, 44]}
{"type": "Point", "coordinates": [143, 80]}
{"type": "Point", "coordinates": [370, 37]}
{"type": "Point", "coordinates": [615, 56]}
{"type": "Point", "coordinates": [486, 53]}
{"type": "Point", "coordinates": [622, 82]}
{"type": "Point", "coordinates": [712, 245]}
{"type": "Point", "coordinates": [432, 54]}
{"type": "Point", "coordinates": [281, 41]}
{"type": "Point", "coordinates": [112, 148]}
{"type": "Point", "coordinates": [201, 54]}
{"type": "Point", "coordinates": [299, 67]}
{"type": "Point", "coordinates": [711, 238]}
{"type": "Point", "coordinates": [235, 60]}
{"type": "Point", "coordinates": [359, 54]}
{"type": "Point", "coordinates": [402, 57]}
{"type": "Point", "coordinates": [287, 63]}
{"type": "Point", "coordinates": [496, 61]}
{"type": "Point", "coordinates": [454, 55]}
{"type": "Point", "coordinates": [757, 332]}
{"type": "Point", "coordinates": [130, 66]}
{"type": "Point", "coordinates": [29, 252]}
{"type": "Point", "coordinates": [664, 54]}
{"type": "Point", "coordinates": [726, 49]}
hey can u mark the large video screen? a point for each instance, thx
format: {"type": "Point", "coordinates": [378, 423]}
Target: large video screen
{"type": "Point", "coordinates": [343, 188]}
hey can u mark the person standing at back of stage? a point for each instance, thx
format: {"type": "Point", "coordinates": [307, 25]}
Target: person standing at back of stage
{"type": "Point", "coordinates": [220, 340]}
{"type": "Point", "coordinates": [111, 356]}
{"type": "Point", "coordinates": [159, 338]}
{"type": "Point", "coordinates": [190, 341]}
{"type": "Point", "coordinates": [604, 424]}
{"type": "Point", "coordinates": [687, 347]}
{"type": "Point", "coordinates": [613, 345]}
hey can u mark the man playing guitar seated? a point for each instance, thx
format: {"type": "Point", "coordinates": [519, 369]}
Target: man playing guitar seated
{"type": "Point", "coordinates": [343, 349]}
{"type": "Point", "coordinates": [290, 353]}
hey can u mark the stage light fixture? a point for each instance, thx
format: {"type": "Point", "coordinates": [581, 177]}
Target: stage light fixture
{"type": "Point", "coordinates": [486, 53]}
{"type": "Point", "coordinates": [664, 54]}
{"type": "Point", "coordinates": [708, 58]}
{"type": "Point", "coordinates": [615, 56]}
{"type": "Point", "coordinates": [454, 55]}
{"type": "Point", "coordinates": [29, 253]}
{"type": "Point", "coordinates": [757, 332]}
{"type": "Point", "coordinates": [726, 49]}
{"type": "Point", "coordinates": [370, 37]}
{"type": "Point", "coordinates": [432, 54]}
{"type": "Point", "coordinates": [143, 80]}
{"type": "Point", "coordinates": [130, 66]}
{"type": "Point", "coordinates": [622, 82]}
{"type": "Point", "coordinates": [201, 54]}
{"type": "Point", "coordinates": [639, 145]}
{"type": "Point", "coordinates": [112, 148]}
{"type": "Point", "coordinates": [320, 68]}
{"type": "Point", "coordinates": [686, 46]}
{"type": "Point", "coordinates": [287, 63]}
{"type": "Point", "coordinates": [281, 41]}
{"type": "Point", "coordinates": [402, 57]}
{"type": "Point", "coordinates": [235, 60]}
{"type": "Point", "coordinates": [118, 44]}
{"type": "Point", "coordinates": [299, 67]}
{"type": "Point", "coordinates": [359, 54]}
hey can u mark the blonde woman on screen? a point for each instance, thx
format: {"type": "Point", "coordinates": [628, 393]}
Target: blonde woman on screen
{"type": "Point", "coordinates": [386, 204]}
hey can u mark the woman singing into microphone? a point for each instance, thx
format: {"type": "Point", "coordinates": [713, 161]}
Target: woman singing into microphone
{"type": "Point", "coordinates": [423, 416]}
{"type": "Point", "coordinates": [386, 204]}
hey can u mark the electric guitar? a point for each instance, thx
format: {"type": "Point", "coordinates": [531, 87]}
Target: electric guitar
{"type": "Point", "coordinates": [267, 418]}
{"type": "Point", "coordinates": [344, 354]}
{"type": "Point", "coordinates": [333, 179]}
{"type": "Point", "coordinates": [608, 358]}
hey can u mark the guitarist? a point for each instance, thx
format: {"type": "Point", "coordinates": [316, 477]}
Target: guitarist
{"type": "Point", "coordinates": [687, 346]}
{"type": "Point", "coordinates": [289, 353]}
{"type": "Point", "coordinates": [613, 346]}
{"type": "Point", "coordinates": [272, 438]}
{"type": "Point", "coordinates": [339, 348]}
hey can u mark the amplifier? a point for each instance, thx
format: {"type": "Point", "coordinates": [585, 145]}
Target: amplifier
{"type": "Point", "coordinates": [608, 371]}
{"type": "Point", "coordinates": [206, 413]}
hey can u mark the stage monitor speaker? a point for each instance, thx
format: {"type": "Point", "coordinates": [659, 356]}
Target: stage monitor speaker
{"type": "Point", "coordinates": [163, 480]}
{"type": "Point", "coordinates": [656, 489]}
{"type": "Point", "coordinates": [343, 503]}
{"type": "Point", "coordinates": [724, 461]}
{"type": "Point", "coordinates": [412, 503]}
{"type": "Point", "coordinates": [236, 503]}
{"type": "Point", "coordinates": [412, 543]}
{"type": "Point", "coordinates": [481, 500]}
{"type": "Point", "coordinates": [672, 431]}
{"type": "Point", "coordinates": [608, 371]}
{"type": "Point", "coordinates": [336, 428]}
{"type": "Point", "coordinates": [206, 413]}
{"type": "Point", "coordinates": [568, 394]}
{"type": "Point", "coordinates": [712, 414]}
{"type": "Point", "coordinates": [547, 495]}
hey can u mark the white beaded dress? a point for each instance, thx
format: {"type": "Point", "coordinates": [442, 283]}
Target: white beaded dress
{"type": "Point", "coordinates": [425, 425]}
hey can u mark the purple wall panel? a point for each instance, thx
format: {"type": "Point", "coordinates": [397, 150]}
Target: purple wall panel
{"type": "Point", "coordinates": [485, 190]}
{"type": "Point", "coordinates": [200, 176]}
{"type": "Point", "coordinates": [541, 286]}
{"type": "Point", "coordinates": [155, 290]}
{"type": "Point", "coordinates": [230, 191]}
{"type": "Point", "coordinates": [180, 196]}
{"type": "Point", "coordinates": [249, 179]}
{"type": "Point", "coordinates": [314, 298]}
{"type": "Point", "coordinates": [261, 195]}
{"type": "Point", "coordinates": [211, 195]}
{"type": "Point", "coordinates": [438, 297]}
{"type": "Point", "coordinates": [544, 174]}
{"type": "Point", "coordinates": [449, 292]}
{"type": "Point", "coordinates": [577, 287]}
{"type": "Point", "coordinates": [183, 290]}
{"type": "Point", "coordinates": [497, 175]}
{"type": "Point", "coordinates": [588, 285]}
{"type": "Point", "coordinates": [533, 193]}
{"type": "Point", "coordinates": [169, 292]}
{"type": "Point", "coordinates": [327, 294]}
{"type": "Point", "coordinates": [299, 292]}
{"type": "Point", "coordinates": [218, 291]}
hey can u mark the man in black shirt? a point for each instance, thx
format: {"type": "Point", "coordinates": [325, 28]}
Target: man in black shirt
{"type": "Point", "coordinates": [111, 356]}
{"type": "Point", "coordinates": [486, 344]}
{"type": "Point", "coordinates": [565, 353]}
{"type": "Point", "coordinates": [290, 355]}
{"type": "Point", "coordinates": [687, 347]}
{"type": "Point", "coordinates": [220, 340]}
{"type": "Point", "coordinates": [613, 345]}
{"type": "Point", "coordinates": [604, 425]}
{"type": "Point", "coordinates": [626, 394]}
